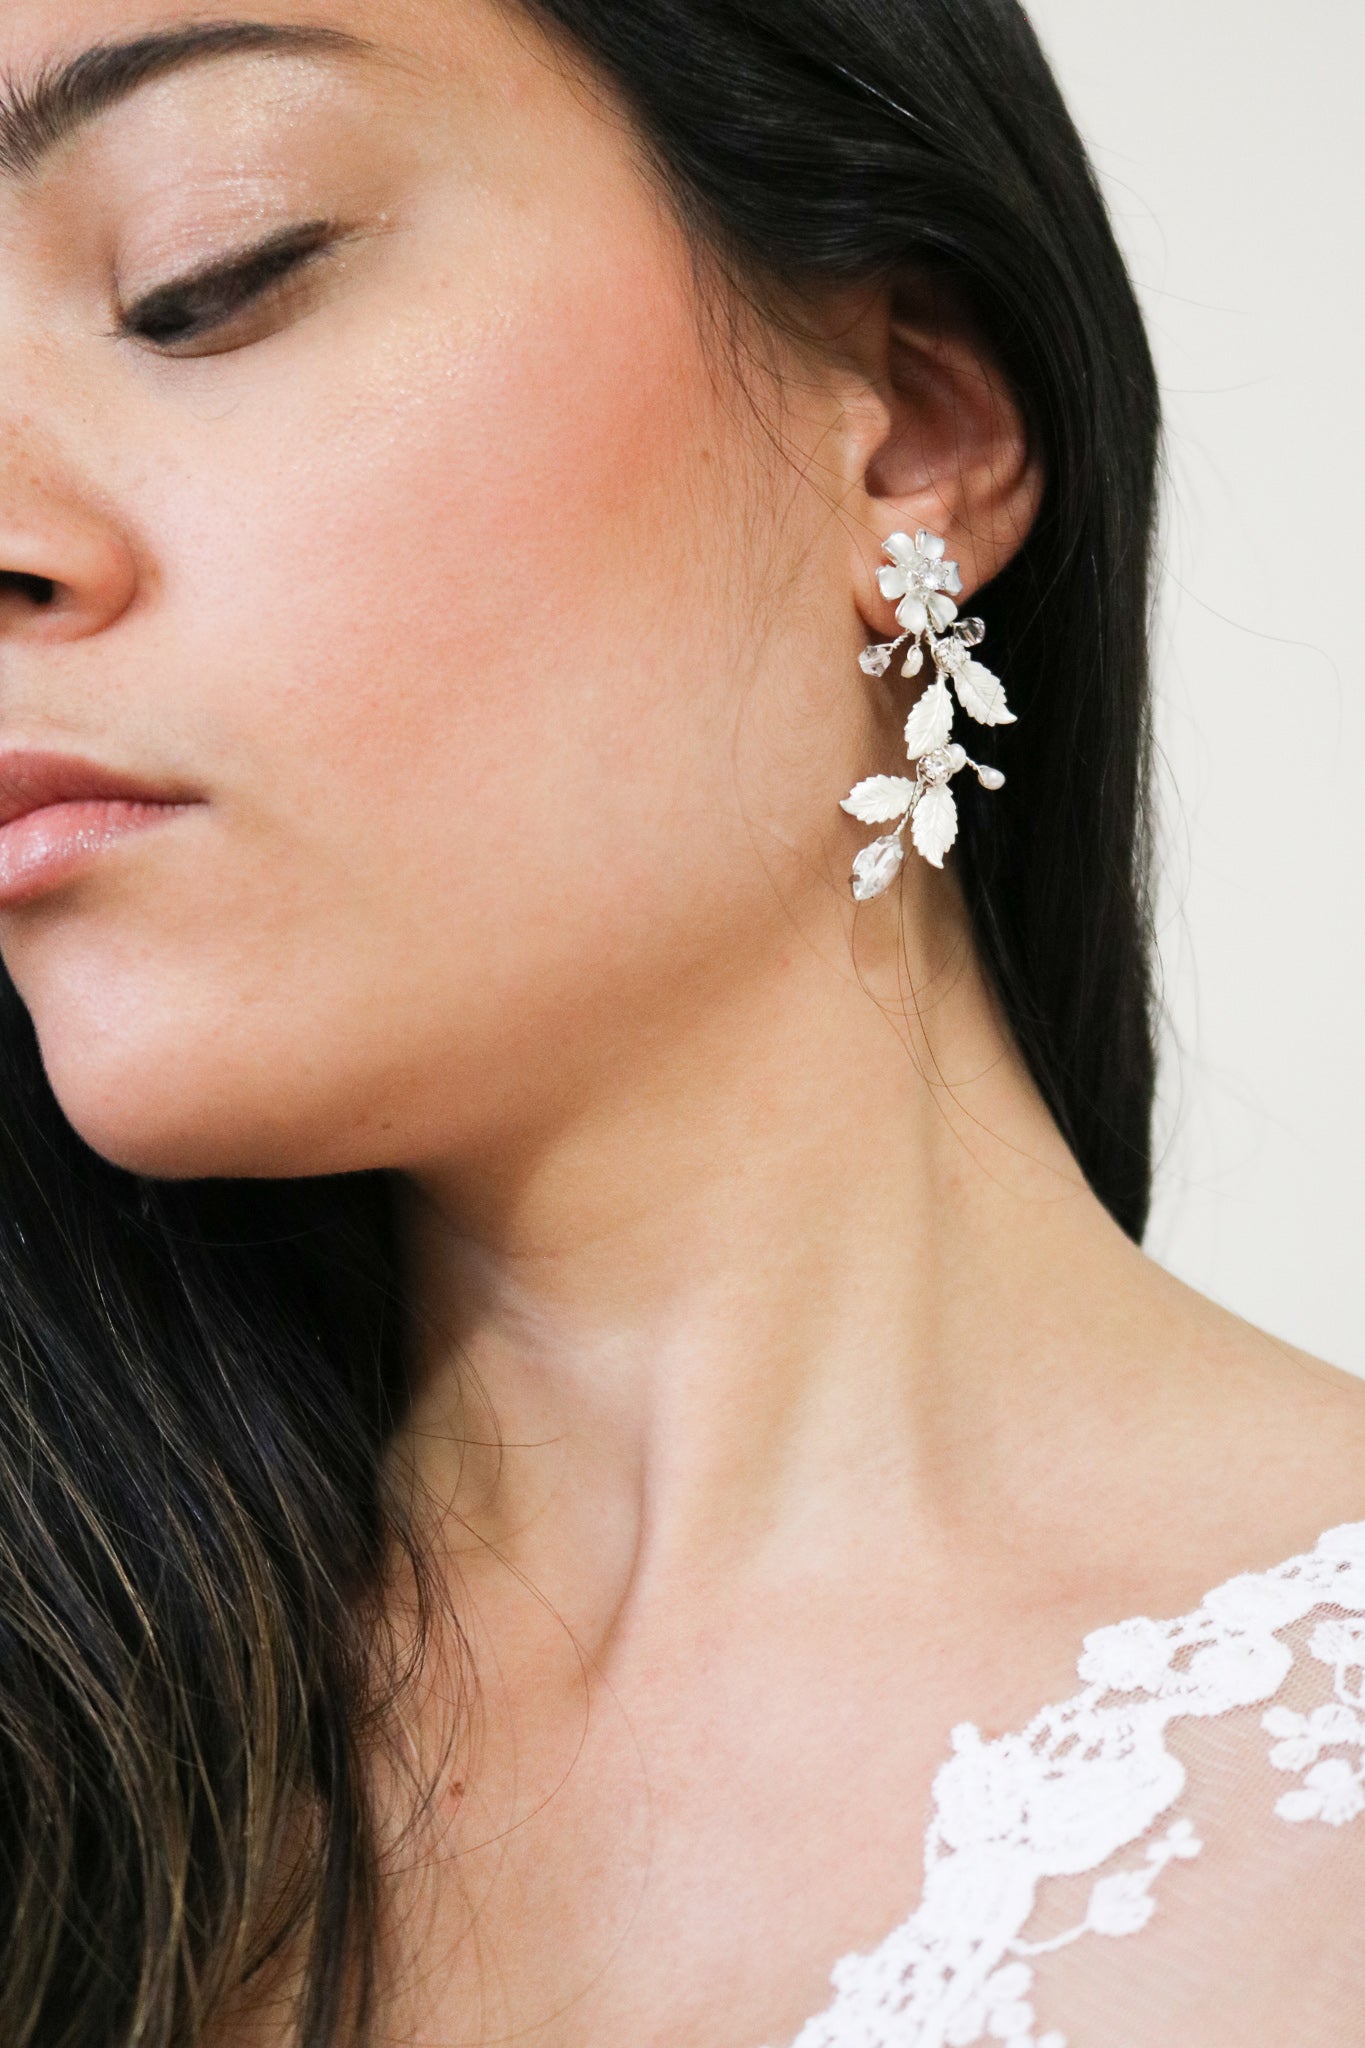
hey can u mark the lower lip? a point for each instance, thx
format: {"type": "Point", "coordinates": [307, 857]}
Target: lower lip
{"type": "Point", "coordinates": [40, 851]}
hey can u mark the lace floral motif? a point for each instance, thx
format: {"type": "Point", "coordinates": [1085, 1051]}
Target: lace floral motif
{"type": "Point", "coordinates": [1090, 1778]}
{"type": "Point", "coordinates": [1333, 1787]}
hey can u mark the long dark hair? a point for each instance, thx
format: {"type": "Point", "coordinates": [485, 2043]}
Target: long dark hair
{"type": "Point", "coordinates": [197, 1382]}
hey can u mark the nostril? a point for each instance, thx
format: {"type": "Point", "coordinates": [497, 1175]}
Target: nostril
{"type": "Point", "coordinates": [37, 590]}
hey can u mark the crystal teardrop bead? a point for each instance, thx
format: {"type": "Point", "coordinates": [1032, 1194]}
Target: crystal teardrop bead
{"type": "Point", "coordinates": [971, 632]}
{"type": "Point", "coordinates": [876, 868]}
{"type": "Point", "coordinates": [875, 661]}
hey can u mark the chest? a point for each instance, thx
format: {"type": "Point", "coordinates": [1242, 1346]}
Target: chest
{"type": "Point", "coordinates": [679, 1856]}
{"type": "Point", "coordinates": [681, 1859]}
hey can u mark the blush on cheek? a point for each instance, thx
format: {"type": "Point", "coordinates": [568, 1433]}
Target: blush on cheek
{"type": "Point", "coordinates": [471, 530]}
{"type": "Point", "coordinates": [528, 470]}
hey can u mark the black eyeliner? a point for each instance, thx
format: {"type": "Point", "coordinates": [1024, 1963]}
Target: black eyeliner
{"type": "Point", "coordinates": [223, 286]}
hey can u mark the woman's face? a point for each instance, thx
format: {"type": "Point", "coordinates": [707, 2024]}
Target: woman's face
{"type": "Point", "coordinates": [504, 671]}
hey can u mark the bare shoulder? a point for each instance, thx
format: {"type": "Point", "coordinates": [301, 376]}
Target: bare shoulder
{"type": "Point", "coordinates": [1202, 1447]}
{"type": "Point", "coordinates": [1268, 1441]}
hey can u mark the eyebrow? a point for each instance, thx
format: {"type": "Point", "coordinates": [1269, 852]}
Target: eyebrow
{"type": "Point", "coordinates": [37, 115]}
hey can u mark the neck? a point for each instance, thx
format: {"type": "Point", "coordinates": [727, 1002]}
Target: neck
{"type": "Point", "coordinates": [776, 1264]}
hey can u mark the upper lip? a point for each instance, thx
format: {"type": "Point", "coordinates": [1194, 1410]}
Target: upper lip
{"type": "Point", "coordinates": [34, 782]}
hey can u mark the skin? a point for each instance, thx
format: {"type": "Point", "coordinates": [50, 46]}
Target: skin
{"type": "Point", "coordinates": [498, 624]}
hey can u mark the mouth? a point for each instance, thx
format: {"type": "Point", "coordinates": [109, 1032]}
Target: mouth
{"type": "Point", "coordinates": [59, 814]}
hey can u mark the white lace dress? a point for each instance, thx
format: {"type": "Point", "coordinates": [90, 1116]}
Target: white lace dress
{"type": "Point", "coordinates": [1173, 1858]}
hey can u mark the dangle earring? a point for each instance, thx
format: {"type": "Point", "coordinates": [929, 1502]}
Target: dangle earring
{"type": "Point", "coordinates": [926, 586]}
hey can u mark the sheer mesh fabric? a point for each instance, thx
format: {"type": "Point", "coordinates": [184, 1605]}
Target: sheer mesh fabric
{"type": "Point", "coordinates": [1172, 1858]}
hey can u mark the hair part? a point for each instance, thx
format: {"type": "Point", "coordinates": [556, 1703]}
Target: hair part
{"type": "Point", "coordinates": [198, 1382]}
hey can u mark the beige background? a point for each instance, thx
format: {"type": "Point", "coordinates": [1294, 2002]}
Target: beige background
{"type": "Point", "coordinates": [1230, 135]}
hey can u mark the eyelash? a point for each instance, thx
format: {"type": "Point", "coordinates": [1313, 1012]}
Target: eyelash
{"type": "Point", "coordinates": [190, 308]}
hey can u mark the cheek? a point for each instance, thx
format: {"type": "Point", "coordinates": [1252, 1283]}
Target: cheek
{"type": "Point", "coordinates": [461, 688]}
{"type": "Point", "coordinates": [458, 539]}
{"type": "Point", "coordinates": [490, 578]}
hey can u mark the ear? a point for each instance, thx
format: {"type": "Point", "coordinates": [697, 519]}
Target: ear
{"type": "Point", "coordinates": [932, 437]}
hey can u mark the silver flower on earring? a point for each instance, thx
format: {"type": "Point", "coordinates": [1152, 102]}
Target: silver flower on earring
{"type": "Point", "coordinates": [925, 585]}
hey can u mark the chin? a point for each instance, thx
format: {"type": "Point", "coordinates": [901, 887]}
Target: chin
{"type": "Point", "coordinates": [162, 1112]}
{"type": "Point", "coordinates": [167, 1072]}
{"type": "Point", "coordinates": [165, 1141]}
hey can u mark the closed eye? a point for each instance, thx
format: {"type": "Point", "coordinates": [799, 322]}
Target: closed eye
{"type": "Point", "coordinates": [201, 313]}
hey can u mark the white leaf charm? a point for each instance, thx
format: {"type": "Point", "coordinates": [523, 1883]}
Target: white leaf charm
{"type": "Point", "coordinates": [935, 826]}
{"type": "Point", "coordinates": [880, 799]}
{"type": "Point", "coordinates": [930, 724]}
{"type": "Point", "coordinates": [982, 694]}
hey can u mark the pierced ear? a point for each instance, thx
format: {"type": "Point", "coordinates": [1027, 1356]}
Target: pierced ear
{"type": "Point", "coordinates": [952, 452]}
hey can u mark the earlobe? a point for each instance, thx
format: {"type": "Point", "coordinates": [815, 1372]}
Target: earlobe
{"type": "Point", "coordinates": [955, 458]}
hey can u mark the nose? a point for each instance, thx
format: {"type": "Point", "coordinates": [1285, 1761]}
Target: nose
{"type": "Point", "coordinates": [66, 568]}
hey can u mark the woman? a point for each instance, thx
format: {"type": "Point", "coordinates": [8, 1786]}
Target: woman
{"type": "Point", "coordinates": [568, 1376]}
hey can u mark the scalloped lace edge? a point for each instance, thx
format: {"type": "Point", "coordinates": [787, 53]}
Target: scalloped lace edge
{"type": "Point", "coordinates": [1088, 1778]}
